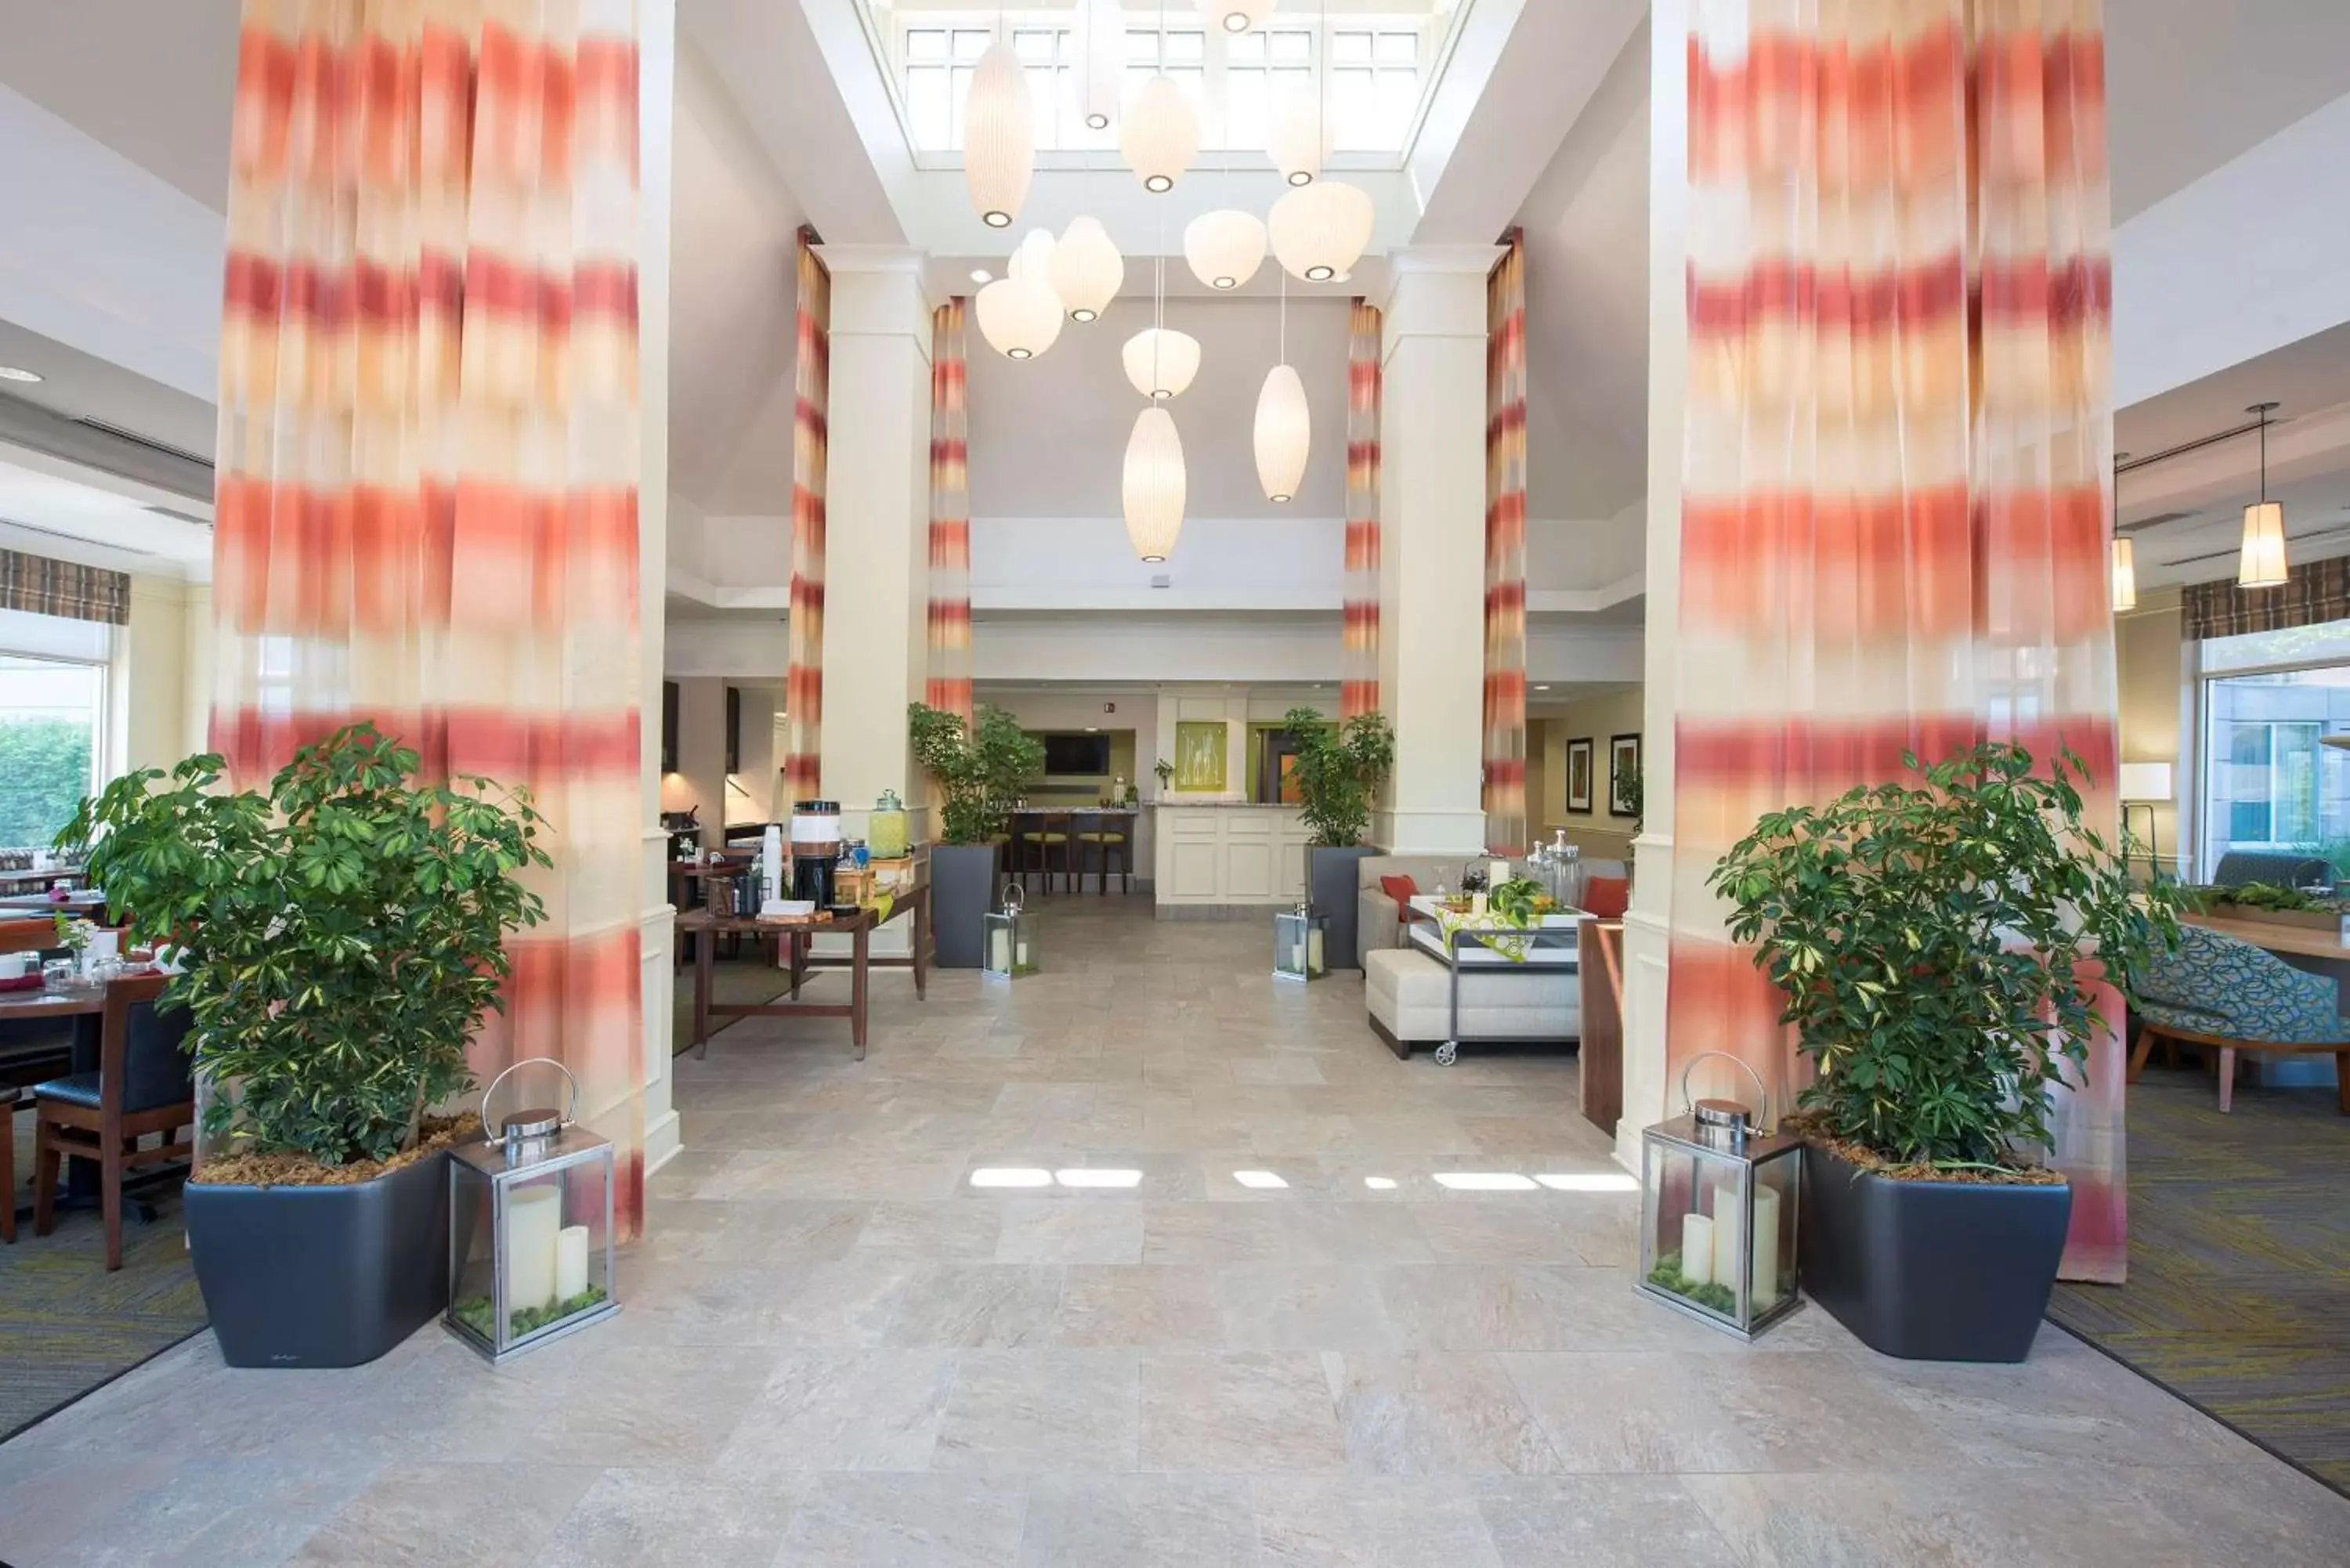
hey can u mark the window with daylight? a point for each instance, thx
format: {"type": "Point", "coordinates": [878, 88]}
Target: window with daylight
{"type": "Point", "coordinates": [2270, 783]}
{"type": "Point", "coordinates": [52, 724]}
{"type": "Point", "coordinates": [1377, 70]}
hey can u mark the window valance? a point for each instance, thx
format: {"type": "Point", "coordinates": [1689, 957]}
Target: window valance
{"type": "Point", "coordinates": [2313, 592]}
{"type": "Point", "coordinates": [43, 587]}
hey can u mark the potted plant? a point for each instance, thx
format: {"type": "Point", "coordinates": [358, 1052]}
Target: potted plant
{"type": "Point", "coordinates": [1165, 768]}
{"type": "Point", "coordinates": [1339, 768]}
{"type": "Point", "coordinates": [339, 937]}
{"type": "Point", "coordinates": [1940, 944]}
{"type": "Point", "coordinates": [979, 769]}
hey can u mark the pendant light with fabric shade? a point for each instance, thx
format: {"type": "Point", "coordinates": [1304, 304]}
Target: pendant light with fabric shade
{"type": "Point", "coordinates": [1225, 247]}
{"type": "Point", "coordinates": [1152, 487]}
{"type": "Point", "coordinates": [2260, 561]}
{"type": "Point", "coordinates": [1033, 256]}
{"type": "Point", "coordinates": [1019, 317]}
{"type": "Point", "coordinates": [1087, 270]}
{"type": "Point", "coordinates": [1297, 140]}
{"type": "Point", "coordinates": [2124, 550]}
{"type": "Point", "coordinates": [999, 151]}
{"type": "Point", "coordinates": [1284, 433]}
{"type": "Point", "coordinates": [1104, 56]}
{"type": "Point", "coordinates": [1318, 232]}
{"type": "Point", "coordinates": [1160, 131]}
{"type": "Point", "coordinates": [1236, 15]}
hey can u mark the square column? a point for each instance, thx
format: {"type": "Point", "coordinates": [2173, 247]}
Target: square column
{"type": "Point", "coordinates": [1432, 550]}
{"type": "Point", "coordinates": [876, 530]}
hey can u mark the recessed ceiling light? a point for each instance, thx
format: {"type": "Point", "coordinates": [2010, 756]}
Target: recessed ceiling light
{"type": "Point", "coordinates": [11, 373]}
{"type": "Point", "coordinates": [1541, 688]}
{"type": "Point", "coordinates": [980, 275]}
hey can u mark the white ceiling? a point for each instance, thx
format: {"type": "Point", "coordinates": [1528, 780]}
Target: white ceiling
{"type": "Point", "coordinates": [153, 80]}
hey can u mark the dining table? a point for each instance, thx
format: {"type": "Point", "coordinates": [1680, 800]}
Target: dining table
{"type": "Point", "coordinates": [795, 954]}
{"type": "Point", "coordinates": [84, 1004]}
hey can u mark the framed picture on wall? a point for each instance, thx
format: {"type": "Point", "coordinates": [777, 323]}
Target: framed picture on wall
{"type": "Point", "coordinates": [1578, 773]}
{"type": "Point", "coordinates": [1624, 775]}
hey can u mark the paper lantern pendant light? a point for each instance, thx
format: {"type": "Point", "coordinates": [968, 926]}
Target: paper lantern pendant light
{"type": "Point", "coordinates": [1236, 15]}
{"type": "Point", "coordinates": [1087, 272]}
{"type": "Point", "coordinates": [1152, 485]}
{"type": "Point", "coordinates": [1284, 433]}
{"type": "Point", "coordinates": [1160, 363]}
{"type": "Point", "coordinates": [1160, 134]}
{"type": "Point", "coordinates": [1104, 56]}
{"type": "Point", "coordinates": [2261, 563]}
{"type": "Point", "coordinates": [1019, 317]}
{"type": "Point", "coordinates": [2124, 574]}
{"type": "Point", "coordinates": [999, 151]}
{"type": "Point", "coordinates": [1318, 231]}
{"type": "Point", "coordinates": [1297, 143]}
{"type": "Point", "coordinates": [1033, 258]}
{"type": "Point", "coordinates": [1225, 247]}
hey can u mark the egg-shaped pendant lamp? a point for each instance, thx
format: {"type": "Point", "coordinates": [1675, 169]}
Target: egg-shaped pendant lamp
{"type": "Point", "coordinates": [1088, 271]}
{"type": "Point", "coordinates": [1285, 433]}
{"type": "Point", "coordinates": [1225, 247]}
{"type": "Point", "coordinates": [1318, 231]}
{"type": "Point", "coordinates": [1019, 317]}
{"type": "Point", "coordinates": [1297, 143]}
{"type": "Point", "coordinates": [1033, 256]}
{"type": "Point", "coordinates": [1103, 62]}
{"type": "Point", "coordinates": [1160, 363]}
{"type": "Point", "coordinates": [1152, 484]}
{"type": "Point", "coordinates": [1236, 15]}
{"type": "Point", "coordinates": [999, 141]}
{"type": "Point", "coordinates": [1160, 134]}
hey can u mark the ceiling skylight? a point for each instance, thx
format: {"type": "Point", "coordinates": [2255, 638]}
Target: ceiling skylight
{"type": "Point", "coordinates": [1382, 57]}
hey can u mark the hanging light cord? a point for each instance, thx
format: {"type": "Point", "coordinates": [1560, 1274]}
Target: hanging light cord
{"type": "Point", "coordinates": [1285, 315]}
{"type": "Point", "coordinates": [2264, 455]}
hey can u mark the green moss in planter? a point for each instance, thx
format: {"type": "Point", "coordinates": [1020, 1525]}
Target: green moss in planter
{"type": "Point", "coordinates": [477, 1313]}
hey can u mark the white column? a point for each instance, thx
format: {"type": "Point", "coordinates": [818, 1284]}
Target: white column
{"type": "Point", "coordinates": [1432, 549]}
{"type": "Point", "coordinates": [1648, 924]}
{"type": "Point", "coordinates": [656, 107]}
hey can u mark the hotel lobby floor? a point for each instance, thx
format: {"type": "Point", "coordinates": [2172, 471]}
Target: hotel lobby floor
{"type": "Point", "coordinates": [836, 1350]}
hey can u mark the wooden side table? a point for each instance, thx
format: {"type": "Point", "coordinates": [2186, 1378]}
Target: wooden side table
{"type": "Point", "coordinates": [793, 943]}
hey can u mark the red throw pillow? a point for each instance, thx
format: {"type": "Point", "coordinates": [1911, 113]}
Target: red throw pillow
{"type": "Point", "coordinates": [1402, 889]}
{"type": "Point", "coordinates": [1607, 897]}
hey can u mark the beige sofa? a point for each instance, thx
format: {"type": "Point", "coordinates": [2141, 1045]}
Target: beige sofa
{"type": "Point", "coordinates": [1408, 996]}
{"type": "Point", "coordinates": [1376, 925]}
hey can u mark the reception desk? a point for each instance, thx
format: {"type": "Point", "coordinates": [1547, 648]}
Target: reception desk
{"type": "Point", "coordinates": [1230, 855]}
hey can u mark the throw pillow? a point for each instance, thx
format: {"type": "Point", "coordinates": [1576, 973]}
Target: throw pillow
{"type": "Point", "coordinates": [1607, 896]}
{"type": "Point", "coordinates": [1402, 889]}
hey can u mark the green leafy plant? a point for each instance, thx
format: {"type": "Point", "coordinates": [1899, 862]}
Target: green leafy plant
{"type": "Point", "coordinates": [341, 932]}
{"type": "Point", "coordinates": [1933, 941]}
{"type": "Point", "coordinates": [2255, 896]}
{"type": "Point", "coordinates": [1165, 769]}
{"type": "Point", "coordinates": [1339, 768]}
{"type": "Point", "coordinates": [979, 769]}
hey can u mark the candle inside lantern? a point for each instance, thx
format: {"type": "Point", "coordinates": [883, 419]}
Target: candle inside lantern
{"type": "Point", "coordinates": [534, 1215]}
{"type": "Point", "coordinates": [1022, 959]}
{"type": "Point", "coordinates": [1766, 1247]}
{"type": "Point", "coordinates": [1729, 1235]}
{"type": "Point", "coordinates": [999, 949]}
{"type": "Point", "coordinates": [1696, 1249]}
{"type": "Point", "coordinates": [570, 1263]}
{"type": "Point", "coordinates": [1314, 952]}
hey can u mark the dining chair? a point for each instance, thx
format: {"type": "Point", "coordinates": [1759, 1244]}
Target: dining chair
{"type": "Point", "coordinates": [1049, 844]}
{"type": "Point", "coordinates": [145, 1083]}
{"type": "Point", "coordinates": [2225, 996]}
{"type": "Point", "coordinates": [1100, 837]}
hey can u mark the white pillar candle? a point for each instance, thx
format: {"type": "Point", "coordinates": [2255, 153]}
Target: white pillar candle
{"type": "Point", "coordinates": [1496, 873]}
{"type": "Point", "coordinates": [533, 1214]}
{"type": "Point", "coordinates": [1729, 1235]}
{"type": "Point", "coordinates": [1313, 953]}
{"type": "Point", "coordinates": [771, 864]}
{"type": "Point", "coordinates": [1023, 956]}
{"type": "Point", "coordinates": [1696, 1249]}
{"type": "Point", "coordinates": [570, 1261]}
{"type": "Point", "coordinates": [1766, 1246]}
{"type": "Point", "coordinates": [999, 949]}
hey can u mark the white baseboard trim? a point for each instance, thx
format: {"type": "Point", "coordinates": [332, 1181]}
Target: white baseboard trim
{"type": "Point", "coordinates": [664, 1141]}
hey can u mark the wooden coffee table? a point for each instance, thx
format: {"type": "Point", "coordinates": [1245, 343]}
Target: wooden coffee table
{"type": "Point", "coordinates": [798, 957]}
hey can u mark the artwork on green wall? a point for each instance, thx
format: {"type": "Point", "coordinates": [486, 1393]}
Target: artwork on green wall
{"type": "Point", "coordinates": [1199, 755]}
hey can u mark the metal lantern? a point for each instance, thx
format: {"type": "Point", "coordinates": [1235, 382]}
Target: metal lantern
{"type": "Point", "coordinates": [530, 1228]}
{"type": "Point", "coordinates": [1300, 938]}
{"type": "Point", "coordinates": [1718, 1203]}
{"type": "Point", "coordinates": [1010, 948]}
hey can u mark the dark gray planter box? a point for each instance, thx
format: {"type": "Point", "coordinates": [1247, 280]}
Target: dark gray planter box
{"type": "Point", "coordinates": [1930, 1271]}
{"type": "Point", "coordinates": [1330, 883]}
{"type": "Point", "coordinates": [321, 1276]}
{"type": "Point", "coordinates": [963, 888]}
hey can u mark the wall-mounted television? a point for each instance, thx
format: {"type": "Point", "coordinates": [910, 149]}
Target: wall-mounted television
{"type": "Point", "coordinates": [1085, 754]}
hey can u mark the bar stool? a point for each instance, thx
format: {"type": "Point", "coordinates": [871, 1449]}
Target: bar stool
{"type": "Point", "coordinates": [1100, 838]}
{"type": "Point", "coordinates": [1049, 842]}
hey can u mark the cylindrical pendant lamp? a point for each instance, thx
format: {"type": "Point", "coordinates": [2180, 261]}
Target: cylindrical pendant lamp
{"type": "Point", "coordinates": [1285, 433]}
{"type": "Point", "coordinates": [999, 143]}
{"type": "Point", "coordinates": [1152, 485]}
{"type": "Point", "coordinates": [1296, 143]}
{"type": "Point", "coordinates": [1160, 134]}
{"type": "Point", "coordinates": [1103, 61]}
{"type": "Point", "coordinates": [2261, 562]}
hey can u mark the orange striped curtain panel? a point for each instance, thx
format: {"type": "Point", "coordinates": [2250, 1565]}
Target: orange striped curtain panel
{"type": "Point", "coordinates": [1892, 532]}
{"type": "Point", "coordinates": [428, 450]}
{"type": "Point", "coordinates": [1505, 552]}
{"type": "Point", "coordinates": [803, 671]}
{"type": "Point", "coordinates": [949, 673]}
{"type": "Point", "coordinates": [1360, 669]}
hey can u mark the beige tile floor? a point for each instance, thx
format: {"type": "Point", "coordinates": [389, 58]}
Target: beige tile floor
{"type": "Point", "coordinates": [836, 1350]}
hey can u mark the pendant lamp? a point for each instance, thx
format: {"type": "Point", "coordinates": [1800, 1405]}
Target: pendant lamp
{"type": "Point", "coordinates": [1318, 231]}
{"type": "Point", "coordinates": [2261, 563]}
{"type": "Point", "coordinates": [1236, 15]}
{"type": "Point", "coordinates": [1033, 257]}
{"type": "Point", "coordinates": [1160, 134]}
{"type": "Point", "coordinates": [1297, 143]}
{"type": "Point", "coordinates": [1152, 484]}
{"type": "Point", "coordinates": [999, 152]}
{"type": "Point", "coordinates": [1160, 363]}
{"type": "Point", "coordinates": [1284, 425]}
{"type": "Point", "coordinates": [1104, 55]}
{"type": "Point", "coordinates": [2124, 550]}
{"type": "Point", "coordinates": [1019, 317]}
{"type": "Point", "coordinates": [1087, 270]}
{"type": "Point", "coordinates": [1225, 247]}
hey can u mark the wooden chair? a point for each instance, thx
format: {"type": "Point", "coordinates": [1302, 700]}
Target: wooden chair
{"type": "Point", "coordinates": [145, 1083]}
{"type": "Point", "coordinates": [1100, 837]}
{"type": "Point", "coordinates": [1051, 845]}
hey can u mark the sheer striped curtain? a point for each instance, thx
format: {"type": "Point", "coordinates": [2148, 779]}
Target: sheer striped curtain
{"type": "Point", "coordinates": [949, 686]}
{"type": "Point", "coordinates": [1359, 689]}
{"type": "Point", "coordinates": [803, 671]}
{"type": "Point", "coordinates": [1898, 430]}
{"type": "Point", "coordinates": [428, 455]}
{"type": "Point", "coordinates": [1506, 551]}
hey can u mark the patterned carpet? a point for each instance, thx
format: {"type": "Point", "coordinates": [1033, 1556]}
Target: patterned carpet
{"type": "Point", "coordinates": [2239, 1292]}
{"type": "Point", "coordinates": [67, 1324]}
